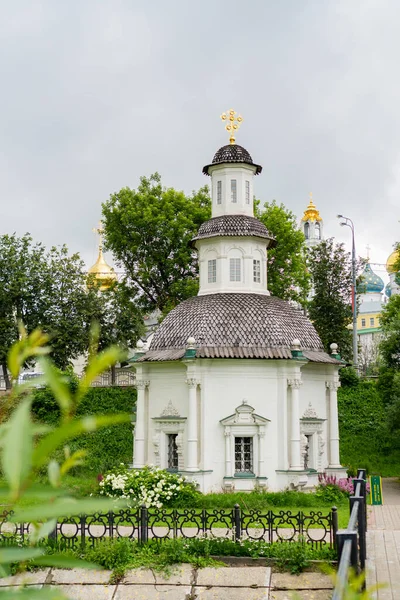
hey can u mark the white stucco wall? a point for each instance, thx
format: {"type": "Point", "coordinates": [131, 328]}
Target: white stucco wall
{"type": "Point", "coordinates": [223, 385]}
{"type": "Point", "coordinates": [222, 249]}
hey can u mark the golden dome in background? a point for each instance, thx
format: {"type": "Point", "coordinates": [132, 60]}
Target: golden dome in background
{"type": "Point", "coordinates": [103, 273]}
{"type": "Point", "coordinates": [394, 257]}
{"type": "Point", "coordinates": [311, 213]}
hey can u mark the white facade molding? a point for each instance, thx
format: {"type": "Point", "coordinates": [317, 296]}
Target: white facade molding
{"type": "Point", "coordinates": [295, 436]}
{"type": "Point", "coordinates": [170, 411]}
{"type": "Point", "coordinates": [241, 173]}
{"type": "Point", "coordinates": [334, 457]}
{"type": "Point", "coordinates": [139, 443]}
{"type": "Point", "coordinates": [247, 250]}
{"type": "Point", "coordinates": [245, 423]}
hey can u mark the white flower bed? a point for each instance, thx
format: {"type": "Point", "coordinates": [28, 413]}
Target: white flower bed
{"type": "Point", "coordinates": [150, 486]}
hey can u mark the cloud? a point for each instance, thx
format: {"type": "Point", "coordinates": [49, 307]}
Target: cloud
{"type": "Point", "coordinates": [96, 94]}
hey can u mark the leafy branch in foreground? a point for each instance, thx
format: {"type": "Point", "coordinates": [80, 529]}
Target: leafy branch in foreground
{"type": "Point", "coordinates": [26, 448]}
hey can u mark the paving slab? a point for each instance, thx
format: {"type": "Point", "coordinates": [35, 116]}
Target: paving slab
{"type": "Point", "coordinates": [71, 576]}
{"type": "Point", "coordinates": [29, 578]}
{"type": "Point", "coordinates": [304, 581]}
{"type": "Point", "coordinates": [301, 595]}
{"type": "Point", "coordinates": [218, 593]}
{"type": "Point", "coordinates": [176, 575]}
{"type": "Point", "coordinates": [151, 592]}
{"type": "Point", "coordinates": [234, 577]}
{"type": "Point", "coordinates": [87, 592]}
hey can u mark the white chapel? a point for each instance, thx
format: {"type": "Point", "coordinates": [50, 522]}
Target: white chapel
{"type": "Point", "coordinates": [235, 389]}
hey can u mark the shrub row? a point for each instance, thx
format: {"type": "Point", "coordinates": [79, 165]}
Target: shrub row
{"type": "Point", "coordinates": [107, 447]}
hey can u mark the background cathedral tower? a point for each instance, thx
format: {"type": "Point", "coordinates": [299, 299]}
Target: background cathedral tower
{"type": "Point", "coordinates": [312, 224]}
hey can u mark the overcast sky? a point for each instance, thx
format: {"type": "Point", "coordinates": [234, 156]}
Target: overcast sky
{"type": "Point", "coordinates": [96, 93]}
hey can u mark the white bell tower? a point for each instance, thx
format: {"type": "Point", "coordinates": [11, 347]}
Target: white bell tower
{"type": "Point", "coordinates": [232, 245]}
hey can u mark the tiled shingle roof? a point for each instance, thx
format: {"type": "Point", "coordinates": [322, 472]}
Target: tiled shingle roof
{"type": "Point", "coordinates": [259, 323]}
{"type": "Point", "coordinates": [234, 225]}
{"type": "Point", "coordinates": [232, 153]}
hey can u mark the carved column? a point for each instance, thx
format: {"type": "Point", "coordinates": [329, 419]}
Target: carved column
{"type": "Point", "coordinates": [334, 457]}
{"type": "Point", "coordinates": [228, 453]}
{"type": "Point", "coordinates": [261, 451]}
{"type": "Point", "coordinates": [139, 439]}
{"type": "Point", "coordinates": [295, 440]}
{"type": "Point", "coordinates": [192, 464]}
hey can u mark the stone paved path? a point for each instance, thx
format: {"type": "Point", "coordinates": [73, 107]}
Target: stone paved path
{"type": "Point", "coordinates": [184, 583]}
{"type": "Point", "coordinates": [383, 543]}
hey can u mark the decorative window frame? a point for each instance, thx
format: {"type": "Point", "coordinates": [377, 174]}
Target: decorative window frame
{"type": "Point", "coordinates": [311, 424]}
{"type": "Point", "coordinates": [245, 423]}
{"type": "Point", "coordinates": [169, 421]}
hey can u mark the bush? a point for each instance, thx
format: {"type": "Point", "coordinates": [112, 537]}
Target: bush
{"type": "Point", "coordinates": [332, 489]}
{"type": "Point", "coordinates": [150, 486]}
{"type": "Point", "coordinates": [365, 438]}
{"type": "Point", "coordinates": [109, 446]}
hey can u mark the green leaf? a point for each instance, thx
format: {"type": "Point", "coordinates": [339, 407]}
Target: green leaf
{"type": "Point", "coordinates": [58, 385]}
{"type": "Point", "coordinates": [12, 554]}
{"type": "Point", "coordinates": [38, 532]}
{"type": "Point", "coordinates": [73, 461]}
{"type": "Point", "coordinates": [16, 458]}
{"type": "Point", "coordinates": [53, 471]}
{"type": "Point", "coordinates": [64, 562]}
{"type": "Point", "coordinates": [66, 507]}
{"type": "Point", "coordinates": [97, 365]}
{"type": "Point", "coordinates": [71, 430]}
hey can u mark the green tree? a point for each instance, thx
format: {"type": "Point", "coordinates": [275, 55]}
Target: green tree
{"type": "Point", "coordinates": [48, 289]}
{"type": "Point", "coordinates": [288, 277]}
{"type": "Point", "coordinates": [330, 308]}
{"type": "Point", "coordinates": [148, 231]}
{"type": "Point", "coordinates": [389, 375]}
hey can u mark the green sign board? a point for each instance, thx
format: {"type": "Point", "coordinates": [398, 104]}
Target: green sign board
{"type": "Point", "coordinates": [375, 483]}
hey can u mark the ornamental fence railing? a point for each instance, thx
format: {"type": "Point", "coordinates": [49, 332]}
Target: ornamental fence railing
{"type": "Point", "coordinates": [121, 378]}
{"type": "Point", "coordinates": [143, 524]}
{"type": "Point", "coordinates": [352, 541]}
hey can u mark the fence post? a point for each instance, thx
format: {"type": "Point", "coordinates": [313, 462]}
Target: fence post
{"type": "Point", "coordinates": [362, 476]}
{"type": "Point", "coordinates": [341, 536]}
{"type": "Point", "coordinates": [237, 521]}
{"type": "Point", "coordinates": [111, 524]}
{"type": "Point", "coordinates": [82, 522]}
{"type": "Point", "coordinates": [143, 524]}
{"type": "Point", "coordinates": [334, 525]}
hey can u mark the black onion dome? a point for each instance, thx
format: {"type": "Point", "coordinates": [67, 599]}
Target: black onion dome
{"type": "Point", "coordinates": [234, 225]}
{"type": "Point", "coordinates": [232, 153]}
{"type": "Point", "coordinates": [263, 326]}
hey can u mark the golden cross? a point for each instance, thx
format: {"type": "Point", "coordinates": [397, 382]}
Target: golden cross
{"type": "Point", "coordinates": [368, 248]}
{"type": "Point", "coordinates": [100, 230]}
{"type": "Point", "coordinates": [233, 124]}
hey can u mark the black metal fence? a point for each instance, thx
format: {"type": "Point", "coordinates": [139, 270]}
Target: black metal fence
{"type": "Point", "coordinates": [143, 524]}
{"type": "Point", "coordinates": [352, 542]}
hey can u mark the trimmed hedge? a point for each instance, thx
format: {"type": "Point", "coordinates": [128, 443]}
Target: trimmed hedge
{"type": "Point", "coordinates": [365, 439]}
{"type": "Point", "coordinates": [109, 446]}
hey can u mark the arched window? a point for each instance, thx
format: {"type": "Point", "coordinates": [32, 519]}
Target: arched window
{"type": "Point", "coordinates": [307, 230]}
{"type": "Point", "coordinates": [317, 231]}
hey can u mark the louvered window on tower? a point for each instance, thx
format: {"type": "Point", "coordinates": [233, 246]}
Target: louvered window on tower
{"type": "Point", "coordinates": [243, 454]}
{"type": "Point", "coordinates": [219, 192]}
{"type": "Point", "coordinates": [257, 271]}
{"type": "Point", "coordinates": [212, 271]}
{"type": "Point", "coordinates": [233, 190]}
{"type": "Point", "coordinates": [247, 192]}
{"type": "Point", "coordinates": [234, 269]}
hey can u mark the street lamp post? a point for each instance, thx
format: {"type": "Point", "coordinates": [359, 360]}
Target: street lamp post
{"type": "Point", "coordinates": [349, 223]}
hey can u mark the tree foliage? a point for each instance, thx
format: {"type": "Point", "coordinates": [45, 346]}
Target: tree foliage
{"type": "Point", "coordinates": [47, 289]}
{"type": "Point", "coordinates": [330, 308]}
{"type": "Point", "coordinates": [288, 277]}
{"type": "Point", "coordinates": [148, 231]}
